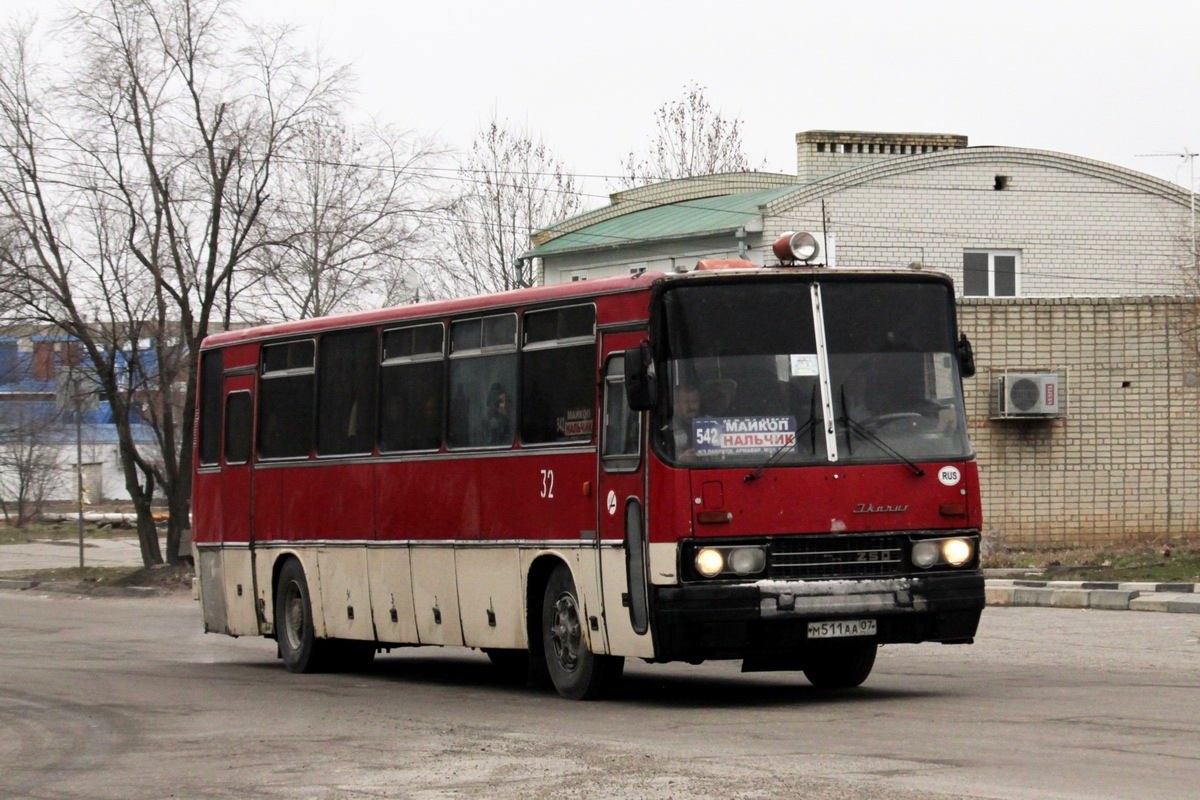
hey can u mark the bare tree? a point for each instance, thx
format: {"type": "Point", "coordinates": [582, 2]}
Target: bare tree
{"type": "Point", "coordinates": [691, 138]}
{"type": "Point", "coordinates": [134, 190]}
{"type": "Point", "coordinates": [30, 463]}
{"type": "Point", "coordinates": [354, 209]}
{"type": "Point", "coordinates": [513, 186]}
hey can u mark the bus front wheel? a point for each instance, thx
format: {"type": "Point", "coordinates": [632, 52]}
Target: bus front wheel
{"type": "Point", "coordinates": [576, 672]}
{"type": "Point", "coordinates": [839, 665]}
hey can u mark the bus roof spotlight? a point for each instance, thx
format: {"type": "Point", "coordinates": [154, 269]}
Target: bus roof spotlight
{"type": "Point", "coordinates": [796, 246]}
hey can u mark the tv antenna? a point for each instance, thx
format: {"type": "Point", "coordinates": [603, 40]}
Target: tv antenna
{"type": "Point", "coordinates": [1190, 157]}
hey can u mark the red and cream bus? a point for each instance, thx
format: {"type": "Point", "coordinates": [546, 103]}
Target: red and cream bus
{"type": "Point", "coordinates": [768, 464]}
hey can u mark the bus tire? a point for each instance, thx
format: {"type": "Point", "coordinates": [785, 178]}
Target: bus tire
{"type": "Point", "coordinates": [299, 647]}
{"type": "Point", "coordinates": [840, 665]}
{"type": "Point", "coordinates": [575, 671]}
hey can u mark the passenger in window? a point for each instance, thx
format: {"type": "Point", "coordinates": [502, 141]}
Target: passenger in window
{"type": "Point", "coordinates": [680, 433]}
{"type": "Point", "coordinates": [428, 434]}
{"type": "Point", "coordinates": [498, 424]}
{"type": "Point", "coordinates": [716, 398]}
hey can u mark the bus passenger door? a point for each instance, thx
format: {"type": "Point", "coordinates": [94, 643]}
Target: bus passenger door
{"type": "Point", "coordinates": [622, 509]}
{"type": "Point", "coordinates": [237, 540]}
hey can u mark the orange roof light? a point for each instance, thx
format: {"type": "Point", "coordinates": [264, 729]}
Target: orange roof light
{"type": "Point", "coordinates": [725, 263]}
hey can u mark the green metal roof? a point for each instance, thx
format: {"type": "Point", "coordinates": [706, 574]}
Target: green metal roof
{"type": "Point", "coordinates": [708, 215]}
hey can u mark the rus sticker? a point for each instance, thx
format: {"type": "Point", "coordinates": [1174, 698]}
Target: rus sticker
{"type": "Point", "coordinates": [949, 476]}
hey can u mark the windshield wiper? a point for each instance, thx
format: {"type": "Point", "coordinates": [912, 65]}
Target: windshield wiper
{"type": "Point", "coordinates": [783, 448]}
{"type": "Point", "coordinates": [855, 427]}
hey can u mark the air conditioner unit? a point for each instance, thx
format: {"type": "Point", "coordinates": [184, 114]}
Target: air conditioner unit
{"type": "Point", "coordinates": [1026, 395]}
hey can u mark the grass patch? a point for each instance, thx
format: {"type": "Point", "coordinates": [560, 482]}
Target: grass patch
{"type": "Point", "coordinates": [109, 575]}
{"type": "Point", "coordinates": [1178, 563]}
{"type": "Point", "coordinates": [58, 531]}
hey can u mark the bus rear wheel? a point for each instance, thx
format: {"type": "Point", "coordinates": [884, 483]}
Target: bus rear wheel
{"type": "Point", "coordinates": [839, 665]}
{"type": "Point", "coordinates": [576, 672]}
{"type": "Point", "coordinates": [299, 648]}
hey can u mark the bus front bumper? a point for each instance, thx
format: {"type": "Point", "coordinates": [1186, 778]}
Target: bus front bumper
{"type": "Point", "coordinates": [699, 621]}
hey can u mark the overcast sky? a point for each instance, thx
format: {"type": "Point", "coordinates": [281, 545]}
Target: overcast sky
{"type": "Point", "coordinates": [1102, 80]}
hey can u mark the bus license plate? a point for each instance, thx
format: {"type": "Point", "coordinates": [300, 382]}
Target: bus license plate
{"type": "Point", "coordinates": [838, 628]}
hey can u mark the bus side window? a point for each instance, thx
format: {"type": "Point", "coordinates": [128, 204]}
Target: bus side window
{"type": "Point", "coordinates": [483, 380]}
{"type": "Point", "coordinates": [238, 412]}
{"type": "Point", "coordinates": [410, 390]}
{"type": "Point", "coordinates": [621, 448]}
{"type": "Point", "coordinates": [285, 413]}
{"type": "Point", "coordinates": [346, 393]}
{"type": "Point", "coordinates": [211, 381]}
{"type": "Point", "coordinates": [558, 363]}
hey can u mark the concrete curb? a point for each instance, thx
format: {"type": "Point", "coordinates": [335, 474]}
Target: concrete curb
{"type": "Point", "coordinates": [1178, 598]}
{"type": "Point", "coordinates": [17, 583]}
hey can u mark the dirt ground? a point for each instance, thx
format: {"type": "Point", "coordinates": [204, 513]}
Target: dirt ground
{"type": "Point", "coordinates": [164, 579]}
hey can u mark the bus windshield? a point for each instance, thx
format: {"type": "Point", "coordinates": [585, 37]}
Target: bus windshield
{"type": "Point", "coordinates": [744, 377]}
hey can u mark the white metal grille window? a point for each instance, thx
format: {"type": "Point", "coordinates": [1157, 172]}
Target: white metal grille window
{"type": "Point", "coordinates": [991, 273]}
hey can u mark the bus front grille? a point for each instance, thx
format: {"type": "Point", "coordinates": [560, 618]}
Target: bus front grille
{"type": "Point", "coordinates": [847, 556]}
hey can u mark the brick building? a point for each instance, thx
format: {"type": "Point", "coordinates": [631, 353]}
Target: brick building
{"type": "Point", "coordinates": [1065, 265]}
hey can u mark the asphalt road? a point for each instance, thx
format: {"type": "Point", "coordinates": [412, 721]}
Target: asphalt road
{"type": "Point", "coordinates": [116, 698]}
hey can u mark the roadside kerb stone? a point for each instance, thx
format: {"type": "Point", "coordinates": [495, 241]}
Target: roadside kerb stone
{"type": "Point", "coordinates": [1111, 599]}
{"type": "Point", "coordinates": [1188, 604]}
{"type": "Point", "coordinates": [17, 583]}
{"type": "Point", "coordinates": [1139, 586]}
{"type": "Point", "coordinates": [1158, 601]}
{"type": "Point", "coordinates": [1031, 596]}
{"type": "Point", "coordinates": [1069, 598]}
{"type": "Point", "coordinates": [1108, 595]}
{"type": "Point", "coordinates": [998, 595]}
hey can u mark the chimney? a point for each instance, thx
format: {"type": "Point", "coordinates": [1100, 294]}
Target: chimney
{"type": "Point", "coordinates": [820, 154]}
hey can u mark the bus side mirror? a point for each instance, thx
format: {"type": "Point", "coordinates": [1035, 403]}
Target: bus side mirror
{"type": "Point", "coordinates": [640, 385]}
{"type": "Point", "coordinates": [966, 357]}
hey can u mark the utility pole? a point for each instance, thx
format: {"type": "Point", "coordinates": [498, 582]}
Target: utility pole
{"type": "Point", "coordinates": [72, 394]}
{"type": "Point", "coordinates": [79, 467]}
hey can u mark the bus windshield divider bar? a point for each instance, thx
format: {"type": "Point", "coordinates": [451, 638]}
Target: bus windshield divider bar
{"type": "Point", "coordinates": [823, 373]}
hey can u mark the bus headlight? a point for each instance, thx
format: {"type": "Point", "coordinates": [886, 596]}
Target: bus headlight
{"type": "Point", "coordinates": [954, 552]}
{"type": "Point", "coordinates": [925, 554]}
{"type": "Point", "coordinates": [957, 551]}
{"type": "Point", "coordinates": [747, 560]}
{"type": "Point", "coordinates": [710, 562]}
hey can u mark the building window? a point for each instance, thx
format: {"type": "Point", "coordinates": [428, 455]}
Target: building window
{"type": "Point", "coordinates": [991, 273]}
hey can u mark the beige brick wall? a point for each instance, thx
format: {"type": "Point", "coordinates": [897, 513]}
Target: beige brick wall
{"type": "Point", "coordinates": [1124, 463]}
{"type": "Point", "coordinates": [1077, 233]}
{"type": "Point", "coordinates": [822, 153]}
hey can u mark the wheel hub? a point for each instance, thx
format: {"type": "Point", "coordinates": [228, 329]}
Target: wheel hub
{"type": "Point", "coordinates": [566, 634]}
{"type": "Point", "coordinates": [293, 623]}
